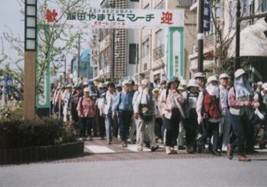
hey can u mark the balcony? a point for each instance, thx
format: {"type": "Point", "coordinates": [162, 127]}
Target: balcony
{"type": "Point", "coordinates": [158, 52]}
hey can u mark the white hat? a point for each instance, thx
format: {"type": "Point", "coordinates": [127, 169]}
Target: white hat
{"type": "Point", "coordinates": [85, 83]}
{"type": "Point", "coordinates": [224, 76]}
{"type": "Point", "coordinates": [183, 82]}
{"type": "Point", "coordinates": [260, 83]}
{"type": "Point", "coordinates": [125, 82]}
{"type": "Point", "coordinates": [192, 83]}
{"type": "Point", "coordinates": [264, 86]}
{"type": "Point", "coordinates": [212, 78]}
{"type": "Point", "coordinates": [145, 82]}
{"type": "Point", "coordinates": [199, 75]}
{"type": "Point", "coordinates": [239, 72]}
{"type": "Point", "coordinates": [101, 85]}
{"type": "Point", "coordinates": [86, 90]}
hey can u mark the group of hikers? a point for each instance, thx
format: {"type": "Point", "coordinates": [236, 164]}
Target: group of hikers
{"type": "Point", "coordinates": [211, 114]}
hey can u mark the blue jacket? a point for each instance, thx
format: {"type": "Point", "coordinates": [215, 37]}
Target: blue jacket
{"type": "Point", "coordinates": [123, 102]}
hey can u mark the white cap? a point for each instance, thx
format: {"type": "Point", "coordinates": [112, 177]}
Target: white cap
{"type": "Point", "coordinates": [86, 90]}
{"type": "Point", "coordinates": [145, 82]}
{"type": "Point", "coordinates": [183, 82]}
{"type": "Point", "coordinates": [125, 82]}
{"type": "Point", "coordinates": [199, 75]}
{"type": "Point", "coordinates": [212, 78]}
{"type": "Point", "coordinates": [224, 76]}
{"type": "Point", "coordinates": [239, 72]}
{"type": "Point", "coordinates": [192, 83]}
{"type": "Point", "coordinates": [101, 85]}
{"type": "Point", "coordinates": [85, 83]}
{"type": "Point", "coordinates": [260, 83]}
{"type": "Point", "coordinates": [264, 86]}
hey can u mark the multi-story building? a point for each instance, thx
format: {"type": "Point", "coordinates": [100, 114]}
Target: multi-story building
{"type": "Point", "coordinates": [156, 62]}
{"type": "Point", "coordinates": [115, 51]}
{"type": "Point", "coordinates": [224, 14]}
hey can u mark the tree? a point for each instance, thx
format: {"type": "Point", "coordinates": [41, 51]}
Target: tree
{"type": "Point", "coordinates": [54, 40]}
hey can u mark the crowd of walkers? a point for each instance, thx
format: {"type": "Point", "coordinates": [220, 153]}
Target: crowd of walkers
{"type": "Point", "coordinates": [212, 114]}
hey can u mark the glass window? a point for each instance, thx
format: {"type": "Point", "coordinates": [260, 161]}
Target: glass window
{"type": "Point", "coordinates": [133, 53]}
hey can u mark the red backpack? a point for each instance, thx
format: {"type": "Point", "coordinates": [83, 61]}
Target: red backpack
{"type": "Point", "coordinates": [211, 106]}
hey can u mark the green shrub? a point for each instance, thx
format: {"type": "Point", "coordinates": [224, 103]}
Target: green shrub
{"type": "Point", "coordinates": [42, 132]}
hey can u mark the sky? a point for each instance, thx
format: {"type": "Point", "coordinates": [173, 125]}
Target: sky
{"type": "Point", "coordinates": [11, 20]}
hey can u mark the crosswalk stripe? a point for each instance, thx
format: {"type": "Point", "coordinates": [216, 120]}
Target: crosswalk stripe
{"type": "Point", "coordinates": [134, 148]}
{"type": "Point", "coordinates": [98, 149]}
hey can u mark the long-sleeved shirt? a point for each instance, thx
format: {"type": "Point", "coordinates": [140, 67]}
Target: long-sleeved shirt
{"type": "Point", "coordinates": [123, 102]}
{"type": "Point", "coordinates": [86, 107]}
{"type": "Point", "coordinates": [224, 98]}
{"type": "Point", "coordinates": [143, 98]}
{"type": "Point", "coordinates": [109, 100]}
{"type": "Point", "coordinates": [173, 100]}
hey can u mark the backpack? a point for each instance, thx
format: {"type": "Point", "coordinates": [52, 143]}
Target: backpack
{"type": "Point", "coordinates": [211, 106]}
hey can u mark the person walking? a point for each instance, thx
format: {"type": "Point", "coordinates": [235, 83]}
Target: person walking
{"type": "Point", "coordinates": [191, 124]}
{"type": "Point", "coordinates": [123, 105]}
{"type": "Point", "coordinates": [172, 113]}
{"type": "Point", "coordinates": [224, 128]}
{"type": "Point", "coordinates": [144, 113]}
{"type": "Point", "coordinates": [208, 110]}
{"type": "Point", "coordinates": [240, 100]}
{"type": "Point", "coordinates": [87, 112]}
{"type": "Point", "coordinates": [108, 102]}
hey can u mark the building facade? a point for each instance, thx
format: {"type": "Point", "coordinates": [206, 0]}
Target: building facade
{"type": "Point", "coordinates": [115, 50]}
{"type": "Point", "coordinates": [158, 47]}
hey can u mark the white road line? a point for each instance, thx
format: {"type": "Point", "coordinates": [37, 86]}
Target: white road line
{"type": "Point", "coordinates": [134, 148]}
{"type": "Point", "coordinates": [98, 149]}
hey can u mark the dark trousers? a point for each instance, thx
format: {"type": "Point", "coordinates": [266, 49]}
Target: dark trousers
{"type": "Point", "coordinates": [242, 131]}
{"type": "Point", "coordinates": [101, 126]}
{"type": "Point", "coordinates": [191, 126]}
{"type": "Point", "coordinates": [86, 126]}
{"type": "Point", "coordinates": [209, 130]}
{"type": "Point", "coordinates": [172, 128]}
{"type": "Point", "coordinates": [125, 118]}
{"type": "Point", "coordinates": [159, 128]}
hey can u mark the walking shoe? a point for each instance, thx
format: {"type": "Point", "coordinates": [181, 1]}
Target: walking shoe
{"type": "Point", "coordinates": [229, 152]}
{"type": "Point", "coordinates": [140, 148]}
{"type": "Point", "coordinates": [154, 148]}
{"type": "Point", "coordinates": [124, 144]}
{"type": "Point", "coordinates": [190, 150]}
{"type": "Point", "coordinates": [243, 158]}
{"type": "Point", "coordinates": [168, 150]}
{"type": "Point", "coordinates": [109, 142]}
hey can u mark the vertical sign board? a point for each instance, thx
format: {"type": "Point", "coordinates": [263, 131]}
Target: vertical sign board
{"type": "Point", "coordinates": [207, 16]}
{"type": "Point", "coordinates": [175, 56]}
{"type": "Point", "coordinates": [43, 96]}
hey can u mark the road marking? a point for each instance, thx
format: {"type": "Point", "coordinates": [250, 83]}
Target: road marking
{"type": "Point", "coordinates": [133, 148]}
{"type": "Point", "coordinates": [98, 149]}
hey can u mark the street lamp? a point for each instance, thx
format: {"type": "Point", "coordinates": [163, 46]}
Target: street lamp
{"type": "Point", "coordinates": [30, 46]}
{"type": "Point", "coordinates": [30, 25]}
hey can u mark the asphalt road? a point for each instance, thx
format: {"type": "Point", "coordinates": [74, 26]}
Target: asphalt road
{"type": "Point", "coordinates": [215, 171]}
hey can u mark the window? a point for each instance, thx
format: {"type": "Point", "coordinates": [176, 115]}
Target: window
{"type": "Point", "coordinates": [264, 5]}
{"type": "Point", "coordinates": [145, 48]}
{"type": "Point", "coordinates": [134, 0]}
{"type": "Point", "coordinates": [159, 38]}
{"type": "Point", "coordinates": [133, 53]}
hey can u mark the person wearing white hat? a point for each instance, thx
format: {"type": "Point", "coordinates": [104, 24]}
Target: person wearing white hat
{"type": "Point", "coordinates": [225, 122]}
{"type": "Point", "coordinates": [144, 114]}
{"type": "Point", "coordinates": [209, 114]}
{"type": "Point", "coordinates": [190, 121]}
{"type": "Point", "coordinates": [87, 112]}
{"type": "Point", "coordinates": [200, 79]}
{"type": "Point", "coordinates": [241, 107]}
{"type": "Point", "coordinates": [124, 108]}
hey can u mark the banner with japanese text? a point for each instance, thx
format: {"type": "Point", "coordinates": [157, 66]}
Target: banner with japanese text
{"type": "Point", "coordinates": [118, 18]}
